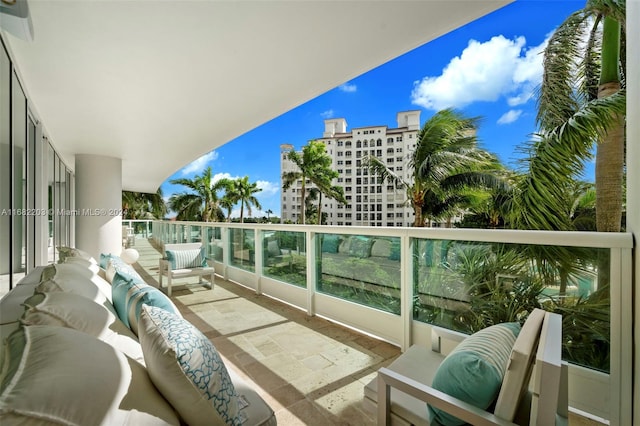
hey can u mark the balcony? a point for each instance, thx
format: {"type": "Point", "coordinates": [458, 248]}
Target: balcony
{"type": "Point", "coordinates": [394, 283]}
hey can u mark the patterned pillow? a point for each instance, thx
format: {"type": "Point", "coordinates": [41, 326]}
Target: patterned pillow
{"type": "Point", "coordinates": [187, 369]}
{"type": "Point", "coordinates": [115, 264]}
{"type": "Point", "coordinates": [474, 370]}
{"type": "Point", "coordinates": [183, 259]}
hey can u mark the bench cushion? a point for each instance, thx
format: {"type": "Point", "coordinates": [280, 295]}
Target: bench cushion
{"type": "Point", "coordinates": [405, 406]}
{"type": "Point", "coordinates": [474, 370]}
{"type": "Point", "coordinates": [184, 259]}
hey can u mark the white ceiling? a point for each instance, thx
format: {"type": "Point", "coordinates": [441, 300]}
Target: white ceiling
{"type": "Point", "coordinates": [160, 83]}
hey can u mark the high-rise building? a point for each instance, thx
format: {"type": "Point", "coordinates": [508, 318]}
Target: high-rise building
{"type": "Point", "coordinates": [369, 201]}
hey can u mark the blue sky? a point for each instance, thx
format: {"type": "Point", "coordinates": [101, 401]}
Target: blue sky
{"type": "Point", "coordinates": [488, 68]}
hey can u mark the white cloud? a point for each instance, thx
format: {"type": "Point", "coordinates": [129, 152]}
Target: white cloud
{"type": "Point", "coordinates": [200, 164]}
{"type": "Point", "coordinates": [268, 188]}
{"type": "Point", "coordinates": [224, 175]}
{"type": "Point", "coordinates": [327, 114]}
{"type": "Point", "coordinates": [484, 72]}
{"type": "Point", "coordinates": [348, 88]}
{"type": "Point", "coordinates": [510, 116]}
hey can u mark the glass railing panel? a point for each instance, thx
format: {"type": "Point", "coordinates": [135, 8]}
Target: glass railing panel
{"type": "Point", "coordinates": [467, 286]}
{"type": "Point", "coordinates": [214, 246]}
{"type": "Point", "coordinates": [194, 233]}
{"type": "Point", "coordinates": [359, 268]}
{"type": "Point", "coordinates": [173, 237]}
{"type": "Point", "coordinates": [285, 257]}
{"type": "Point", "coordinates": [242, 248]}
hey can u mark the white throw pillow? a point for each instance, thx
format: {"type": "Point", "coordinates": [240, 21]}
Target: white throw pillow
{"type": "Point", "coordinates": [63, 376]}
{"type": "Point", "coordinates": [67, 252]}
{"type": "Point", "coordinates": [79, 313]}
{"type": "Point", "coordinates": [187, 369]}
{"type": "Point", "coordinates": [72, 277]}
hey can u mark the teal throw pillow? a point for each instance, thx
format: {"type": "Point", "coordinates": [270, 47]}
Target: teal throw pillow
{"type": "Point", "coordinates": [474, 370]}
{"type": "Point", "coordinates": [330, 243]}
{"type": "Point", "coordinates": [119, 288]}
{"type": "Point", "coordinates": [394, 254]}
{"type": "Point", "coordinates": [129, 295]}
{"type": "Point", "coordinates": [360, 247]}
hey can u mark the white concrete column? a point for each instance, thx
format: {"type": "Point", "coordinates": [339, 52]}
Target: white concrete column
{"type": "Point", "coordinates": [98, 184]}
{"type": "Point", "coordinates": [633, 177]}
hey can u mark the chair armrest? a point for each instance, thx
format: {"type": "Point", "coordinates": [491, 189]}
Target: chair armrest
{"type": "Point", "coordinates": [165, 265]}
{"type": "Point", "coordinates": [454, 406]}
{"type": "Point", "coordinates": [438, 333]}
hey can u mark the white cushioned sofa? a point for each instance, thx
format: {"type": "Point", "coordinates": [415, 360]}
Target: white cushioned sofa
{"type": "Point", "coordinates": [90, 343]}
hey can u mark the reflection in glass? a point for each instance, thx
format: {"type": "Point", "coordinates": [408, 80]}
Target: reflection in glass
{"type": "Point", "coordinates": [5, 169]}
{"type": "Point", "coordinates": [467, 286]}
{"type": "Point", "coordinates": [19, 226]}
{"type": "Point", "coordinates": [214, 247]}
{"type": "Point", "coordinates": [31, 194]}
{"type": "Point", "coordinates": [285, 257]}
{"type": "Point", "coordinates": [242, 248]}
{"type": "Point", "coordinates": [50, 164]}
{"type": "Point", "coordinates": [362, 269]}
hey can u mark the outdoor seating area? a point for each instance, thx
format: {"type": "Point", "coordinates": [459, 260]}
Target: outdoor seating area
{"type": "Point", "coordinates": [447, 383]}
{"type": "Point", "coordinates": [182, 261]}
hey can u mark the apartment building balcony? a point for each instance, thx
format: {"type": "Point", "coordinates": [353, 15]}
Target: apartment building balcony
{"type": "Point", "coordinates": [393, 284]}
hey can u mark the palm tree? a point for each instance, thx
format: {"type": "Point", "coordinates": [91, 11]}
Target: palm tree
{"type": "Point", "coordinates": [142, 205]}
{"type": "Point", "coordinates": [314, 165]}
{"type": "Point", "coordinates": [582, 105]}
{"type": "Point", "coordinates": [446, 163]}
{"type": "Point", "coordinates": [322, 180]}
{"type": "Point", "coordinates": [269, 212]}
{"type": "Point", "coordinates": [243, 192]}
{"type": "Point", "coordinates": [202, 203]}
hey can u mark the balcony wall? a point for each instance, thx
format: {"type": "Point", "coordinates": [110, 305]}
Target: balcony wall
{"type": "Point", "coordinates": [394, 283]}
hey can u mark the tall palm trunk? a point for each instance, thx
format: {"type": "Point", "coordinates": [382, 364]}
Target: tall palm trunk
{"type": "Point", "coordinates": [320, 208]}
{"type": "Point", "coordinates": [610, 150]}
{"type": "Point", "coordinates": [302, 200]}
{"type": "Point", "coordinates": [418, 201]}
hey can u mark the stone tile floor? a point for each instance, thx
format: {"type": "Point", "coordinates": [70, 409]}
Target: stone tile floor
{"type": "Point", "coordinates": [309, 370]}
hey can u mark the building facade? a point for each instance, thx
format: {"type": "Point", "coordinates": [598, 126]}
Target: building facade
{"type": "Point", "coordinates": [369, 202]}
